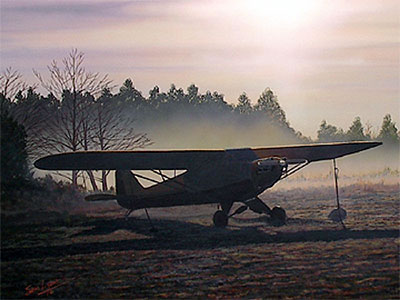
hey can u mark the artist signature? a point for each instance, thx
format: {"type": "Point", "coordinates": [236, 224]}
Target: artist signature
{"type": "Point", "coordinates": [44, 289]}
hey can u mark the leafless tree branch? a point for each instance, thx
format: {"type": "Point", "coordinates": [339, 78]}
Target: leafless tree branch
{"type": "Point", "coordinates": [11, 82]}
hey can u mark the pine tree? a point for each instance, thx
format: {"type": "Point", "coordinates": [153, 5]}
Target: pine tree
{"type": "Point", "coordinates": [14, 165]}
{"type": "Point", "coordinates": [389, 132]}
{"type": "Point", "coordinates": [268, 104]}
{"type": "Point", "coordinates": [244, 105]}
{"type": "Point", "coordinates": [329, 133]}
{"type": "Point", "coordinates": [356, 131]}
{"type": "Point", "coordinates": [130, 96]}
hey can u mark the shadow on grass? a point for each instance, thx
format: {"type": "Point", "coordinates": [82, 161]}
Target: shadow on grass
{"type": "Point", "coordinates": [289, 221]}
{"type": "Point", "coordinates": [178, 235]}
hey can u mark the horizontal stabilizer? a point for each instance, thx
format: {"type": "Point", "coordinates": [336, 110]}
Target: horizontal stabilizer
{"type": "Point", "coordinates": [100, 197]}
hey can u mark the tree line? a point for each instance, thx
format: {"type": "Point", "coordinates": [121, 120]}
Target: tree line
{"type": "Point", "coordinates": [388, 132]}
{"type": "Point", "coordinates": [81, 112]}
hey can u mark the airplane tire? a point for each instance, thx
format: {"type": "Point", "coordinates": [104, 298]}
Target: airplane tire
{"type": "Point", "coordinates": [278, 216]}
{"type": "Point", "coordinates": [220, 219]}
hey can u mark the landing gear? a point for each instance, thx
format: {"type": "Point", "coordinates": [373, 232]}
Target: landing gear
{"type": "Point", "coordinates": [152, 229]}
{"type": "Point", "coordinates": [128, 213]}
{"type": "Point", "coordinates": [220, 219]}
{"type": "Point", "coordinates": [278, 216]}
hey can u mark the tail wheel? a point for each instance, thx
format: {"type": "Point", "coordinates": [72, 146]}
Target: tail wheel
{"type": "Point", "coordinates": [278, 216]}
{"type": "Point", "coordinates": [220, 219]}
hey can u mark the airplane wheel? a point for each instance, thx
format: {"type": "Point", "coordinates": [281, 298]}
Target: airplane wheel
{"type": "Point", "coordinates": [278, 216]}
{"type": "Point", "coordinates": [220, 219]}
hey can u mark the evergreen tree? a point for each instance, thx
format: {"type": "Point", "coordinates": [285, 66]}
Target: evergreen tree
{"type": "Point", "coordinates": [176, 96]}
{"type": "Point", "coordinates": [244, 105]}
{"type": "Point", "coordinates": [219, 102]}
{"type": "Point", "coordinates": [129, 96]}
{"type": "Point", "coordinates": [193, 95]}
{"type": "Point", "coordinates": [356, 131]}
{"type": "Point", "coordinates": [207, 98]}
{"type": "Point", "coordinates": [156, 98]}
{"type": "Point", "coordinates": [268, 104]}
{"type": "Point", "coordinates": [389, 132]}
{"type": "Point", "coordinates": [14, 165]}
{"type": "Point", "coordinates": [330, 133]}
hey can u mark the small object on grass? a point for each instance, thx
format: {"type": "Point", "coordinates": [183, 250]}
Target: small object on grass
{"type": "Point", "coordinates": [336, 214]}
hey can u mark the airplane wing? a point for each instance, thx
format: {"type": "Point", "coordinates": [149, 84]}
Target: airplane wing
{"type": "Point", "coordinates": [186, 159]}
{"type": "Point", "coordinates": [128, 160]}
{"type": "Point", "coordinates": [316, 152]}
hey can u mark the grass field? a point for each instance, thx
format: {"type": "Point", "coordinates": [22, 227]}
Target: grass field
{"type": "Point", "coordinates": [93, 252]}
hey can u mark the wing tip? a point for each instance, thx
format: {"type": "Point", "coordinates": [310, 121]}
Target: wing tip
{"type": "Point", "coordinates": [40, 164]}
{"type": "Point", "coordinates": [372, 144]}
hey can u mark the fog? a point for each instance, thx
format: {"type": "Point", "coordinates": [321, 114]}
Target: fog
{"type": "Point", "coordinates": [216, 134]}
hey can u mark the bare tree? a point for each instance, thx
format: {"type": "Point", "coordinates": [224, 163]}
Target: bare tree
{"type": "Point", "coordinates": [87, 127]}
{"type": "Point", "coordinates": [11, 83]}
{"type": "Point", "coordinates": [114, 130]}
{"type": "Point", "coordinates": [72, 77]}
{"type": "Point", "coordinates": [69, 83]}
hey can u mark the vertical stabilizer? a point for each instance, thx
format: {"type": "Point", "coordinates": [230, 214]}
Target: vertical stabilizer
{"type": "Point", "coordinates": [127, 183]}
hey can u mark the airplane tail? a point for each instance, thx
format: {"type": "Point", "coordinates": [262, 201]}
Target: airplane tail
{"type": "Point", "coordinates": [127, 183]}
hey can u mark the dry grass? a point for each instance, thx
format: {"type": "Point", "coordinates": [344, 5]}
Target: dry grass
{"type": "Point", "coordinates": [92, 252]}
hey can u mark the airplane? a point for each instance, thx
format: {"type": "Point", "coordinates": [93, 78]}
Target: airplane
{"type": "Point", "coordinates": [211, 176]}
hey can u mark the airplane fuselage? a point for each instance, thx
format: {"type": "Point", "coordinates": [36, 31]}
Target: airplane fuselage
{"type": "Point", "coordinates": [226, 183]}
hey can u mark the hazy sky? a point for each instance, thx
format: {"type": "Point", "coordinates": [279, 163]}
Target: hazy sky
{"type": "Point", "coordinates": [330, 60]}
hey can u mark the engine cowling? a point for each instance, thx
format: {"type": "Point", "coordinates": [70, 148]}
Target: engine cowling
{"type": "Point", "coordinates": [268, 164]}
{"type": "Point", "coordinates": [267, 171]}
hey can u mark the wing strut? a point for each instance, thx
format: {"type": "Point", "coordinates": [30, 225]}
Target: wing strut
{"type": "Point", "coordinates": [335, 174]}
{"type": "Point", "coordinates": [299, 165]}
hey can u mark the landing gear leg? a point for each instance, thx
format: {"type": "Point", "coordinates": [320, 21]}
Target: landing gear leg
{"type": "Point", "coordinates": [128, 213]}
{"type": "Point", "coordinates": [153, 229]}
{"type": "Point", "coordinates": [221, 217]}
{"type": "Point", "coordinates": [277, 214]}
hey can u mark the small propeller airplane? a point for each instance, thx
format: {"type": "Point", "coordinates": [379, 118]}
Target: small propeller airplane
{"type": "Point", "coordinates": [211, 176]}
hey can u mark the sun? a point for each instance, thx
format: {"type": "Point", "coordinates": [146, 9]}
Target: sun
{"type": "Point", "coordinates": [282, 14]}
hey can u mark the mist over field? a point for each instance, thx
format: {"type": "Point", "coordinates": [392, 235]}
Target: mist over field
{"type": "Point", "coordinates": [215, 133]}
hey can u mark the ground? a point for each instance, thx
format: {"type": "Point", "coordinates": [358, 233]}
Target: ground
{"type": "Point", "coordinates": [93, 252]}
